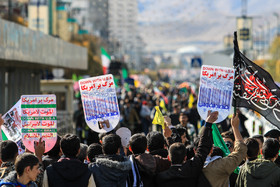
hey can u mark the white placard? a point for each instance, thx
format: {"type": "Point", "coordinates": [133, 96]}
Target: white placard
{"type": "Point", "coordinates": [100, 102]}
{"type": "Point", "coordinates": [215, 91]}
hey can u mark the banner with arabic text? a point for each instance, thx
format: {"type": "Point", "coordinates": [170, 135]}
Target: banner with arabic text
{"type": "Point", "coordinates": [38, 119]}
{"type": "Point", "coordinates": [215, 91]}
{"type": "Point", "coordinates": [12, 126]}
{"type": "Point", "coordinates": [100, 103]}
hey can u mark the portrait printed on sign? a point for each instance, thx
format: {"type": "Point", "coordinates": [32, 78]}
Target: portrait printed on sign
{"type": "Point", "coordinates": [38, 119]}
{"type": "Point", "coordinates": [215, 91]}
{"type": "Point", "coordinates": [100, 103]}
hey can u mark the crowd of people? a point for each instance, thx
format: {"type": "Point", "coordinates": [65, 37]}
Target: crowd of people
{"type": "Point", "coordinates": [180, 154]}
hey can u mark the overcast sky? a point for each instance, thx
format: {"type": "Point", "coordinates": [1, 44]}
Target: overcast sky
{"type": "Point", "coordinates": [171, 24]}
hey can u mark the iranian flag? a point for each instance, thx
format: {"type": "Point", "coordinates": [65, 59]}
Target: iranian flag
{"type": "Point", "coordinates": [106, 59]}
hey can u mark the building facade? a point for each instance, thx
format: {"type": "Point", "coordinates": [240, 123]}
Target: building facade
{"type": "Point", "coordinates": [116, 23]}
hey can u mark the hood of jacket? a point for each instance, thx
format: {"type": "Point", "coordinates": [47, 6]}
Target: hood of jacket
{"type": "Point", "coordinates": [147, 163]}
{"type": "Point", "coordinates": [112, 167]}
{"type": "Point", "coordinates": [70, 169]}
{"type": "Point", "coordinates": [12, 177]}
{"type": "Point", "coordinates": [160, 152]}
{"type": "Point", "coordinates": [260, 168]}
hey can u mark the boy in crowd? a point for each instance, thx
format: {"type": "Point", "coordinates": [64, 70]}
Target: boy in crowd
{"type": "Point", "coordinates": [156, 144]}
{"type": "Point", "coordinates": [183, 171]}
{"type": "Point", "coordinates": [9, 152]}
{"type": "Point", "coordinates": [145, 165]}
{"type": "Point", "coordinates": [252, 149]}
{"type": "Point", "coordinates": [68, 171]}
{"type": "Point", "coordinates": [110, 169]}
{"type": "Point", "coordinates": [93, 151]}
{"type": "Point", "coordinates": [27, 170]}
{"type": "Point", "coordinates": [261, 172]}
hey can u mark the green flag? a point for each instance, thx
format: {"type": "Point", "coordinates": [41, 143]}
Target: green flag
{"type": "Point", "coordinates": [116, 80]}
{"type": "Point", "coordinates": [74, 77]}
{"type": "Point", "coordinates": [124, 73]}
{"type": "Point", "coordinates": [219, 142]}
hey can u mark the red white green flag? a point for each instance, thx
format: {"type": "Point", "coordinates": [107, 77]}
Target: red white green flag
{"type": "Point", "coordinates": [106, 59]}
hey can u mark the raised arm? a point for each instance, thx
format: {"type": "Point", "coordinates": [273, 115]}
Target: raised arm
{"type": "Point", "coordinates": [205, 142]}
{"type": "Point", "coordinates": [1, 120]}
{"type": "Point", "coordinates": [235, 127]}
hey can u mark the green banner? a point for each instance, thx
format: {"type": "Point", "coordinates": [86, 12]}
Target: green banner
{"type": "Point", "coordinates": [219, 142]}
{"type": "Point", "coordinates": [38, 130]}
{"type": "Point", "coordinates": [39, 106]}
{"type": "Point", "coordinates": [24, 118]}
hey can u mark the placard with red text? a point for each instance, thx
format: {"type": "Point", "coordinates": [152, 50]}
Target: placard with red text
{"type": "Point", "coordinates": [215, 91]}
{"type": "Point", "coordinates": [100, 102]}
{"type": "Point", "coordinates": [38, 119]}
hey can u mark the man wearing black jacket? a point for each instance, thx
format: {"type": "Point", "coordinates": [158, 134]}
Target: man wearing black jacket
{"type": "Point", "coordinates": [68, 171]}
{"type": "Point", "coordinates": [182, 172]}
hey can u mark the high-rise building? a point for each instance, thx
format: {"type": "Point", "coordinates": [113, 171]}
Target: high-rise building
{"type": "Point", "coordinates": [122, 18]}
{"type": "Point", "coordinates": [98, 11]}
{"type": "Point", "coordinates": [116, 23]}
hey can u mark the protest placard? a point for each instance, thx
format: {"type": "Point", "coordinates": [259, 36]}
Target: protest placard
{"type": "Point", "coordinates": [38, 119]}
{"type": "Point", "coordinates": [12, 123]}
{"type": "Point", "coordinates": [12, 126]}
{"type": "Point", "coordinates": [100, 103]}
{"type": "Point", "coordinates": [215, 91]}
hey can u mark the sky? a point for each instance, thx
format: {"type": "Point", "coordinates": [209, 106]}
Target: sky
{"type": "Point", "coordinates": [167, 25]}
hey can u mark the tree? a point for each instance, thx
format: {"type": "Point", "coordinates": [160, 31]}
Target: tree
{"type": "Point", "coordinates": [273, 65]}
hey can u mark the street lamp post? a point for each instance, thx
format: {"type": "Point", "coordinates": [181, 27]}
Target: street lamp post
{"type": "Point", "coordinates": [261, 39]}
{"type": "Point", "coordinates": [268, 33]}
{"type": "Point", "coordinates": [10, 10]}
{"type": "Point", "coordinates": [38, 14]}
{"type": "Point", "coordinates": [277, 17]}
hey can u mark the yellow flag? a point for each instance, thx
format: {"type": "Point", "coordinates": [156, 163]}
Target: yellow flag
{"type": "Point", "coordinates": [158, 119]}
{"type": "Point", "coordinates": [162, 105]}
{"type": "Point", "coordinates": [191, 100]}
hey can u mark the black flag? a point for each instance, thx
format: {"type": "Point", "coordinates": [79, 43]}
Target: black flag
{"type": "Point", "coordinates": [254, 88]}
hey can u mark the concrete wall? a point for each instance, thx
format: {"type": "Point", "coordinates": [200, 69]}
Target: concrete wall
{"type": "Point", "coordinates": [15, 82]}
{"type": "Point", "coordinates": [21, 44]}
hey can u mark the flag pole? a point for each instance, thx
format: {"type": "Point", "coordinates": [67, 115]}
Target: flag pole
{"type": "Point", "coordinates": [236, 48]}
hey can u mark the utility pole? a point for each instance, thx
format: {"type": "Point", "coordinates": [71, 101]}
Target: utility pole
{"type": "Point", "coordinates": [38, 14]}
{"type": "Point", "coordinates": [268, 33]}
{"type": "Point", "coordinates": [244, 8]}
{"type": "Point", "coordinates": [10, 9]}
{"type": "Point", "coordinates": [277, 17]}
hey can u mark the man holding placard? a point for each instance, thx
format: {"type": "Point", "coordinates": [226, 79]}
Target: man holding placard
{"type": "Point", "coordinates": [100, 103]}
{"type": "Point", "coordinates": [217, 171]}
{"type": "Point", "coordinates": [186, 172]}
